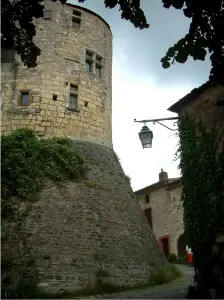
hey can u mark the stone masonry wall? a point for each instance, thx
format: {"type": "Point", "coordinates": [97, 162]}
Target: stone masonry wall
{"type": "Point", "coordinates": [176, 224]}
{"type": "Point", "coordinates": [61, 63]}
{"type": "Point", "coordinates": [167, 214]}
{"type": "Point", "coordinates": [206, 105]}
{"type": "Point", "coordinates": [76, 228]}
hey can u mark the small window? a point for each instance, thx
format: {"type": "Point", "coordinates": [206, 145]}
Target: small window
{"type": "Point", "coordinates": [89, 66]}
{"type": "Point", "coordinates": [98, 71]}
{"type": "Point", "coordinates": [7, 56]}
{"type": "Point", "coordinates": [73, 101]}
{"type": "Point", "coordinates": [98, 59]}
{"type": "Point", "coordinates": [93, 63]}
{"type": "Point", "coordinates": [76, 19]}
{"type": "Point", "coordinates": [76, 13]}
{"type": "Point", "coordinates": [89, 54]}
{"type": "Point", "coordinates": [147, 199]}
{"type": "Point", "coordinates": [89, 61]}
{"type": "Point", "coordinates": [47, 14]}
{"type": "Point", "coordinates": [73, 97]}
{"type": "Point", "coordinates": [76, 22]}
{"type": "Point", "coordinates": [74, 88]}
{"type": "Point", "coordinates": [25, 98]}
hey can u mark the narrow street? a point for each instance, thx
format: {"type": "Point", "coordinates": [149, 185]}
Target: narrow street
{"type": "Point", "coordinates": [174, 290]}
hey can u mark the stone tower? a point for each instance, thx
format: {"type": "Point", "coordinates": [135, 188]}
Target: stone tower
{"type": "Point", "coordinates": [75, 229]}
{"type": "Point", "coordinates": [69, 92]}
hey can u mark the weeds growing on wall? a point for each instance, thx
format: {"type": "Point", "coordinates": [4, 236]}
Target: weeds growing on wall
{"type": "Point", "coordinates": [202, 164]}
{"type": "Point", "coordinates": [27, 161]}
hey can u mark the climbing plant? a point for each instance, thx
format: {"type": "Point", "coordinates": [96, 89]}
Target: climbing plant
{"type": "Point", "coordinates": [201, 153]}
{"type": "Point", "coordinates": [27, 163]}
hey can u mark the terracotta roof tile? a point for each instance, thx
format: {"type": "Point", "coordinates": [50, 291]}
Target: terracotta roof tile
{"type": "Point", "coordinates": [159, 184]}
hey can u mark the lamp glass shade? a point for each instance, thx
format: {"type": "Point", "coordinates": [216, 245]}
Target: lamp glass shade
{"type": "Point", "coordinates": [146, 137]}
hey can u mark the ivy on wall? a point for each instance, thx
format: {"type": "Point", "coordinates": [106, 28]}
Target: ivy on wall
{"type": "Point", "coordinates": [201, 154]}
{"type": "Point", "coordinates": [27, 161]}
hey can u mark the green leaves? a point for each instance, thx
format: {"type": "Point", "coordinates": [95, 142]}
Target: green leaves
{"type": "Point", "coordinates": [182, 55]}
{"type": "Point", "coordinates": [166, 64]}
{"type": "Point", "coordinates": [27, 161]}
{"type": "Point", "coordinates": [202, 168]}
{"type": "Point", "coordinates": [198, 53]}
{"type": "Point", "coordinates": [204, 35]}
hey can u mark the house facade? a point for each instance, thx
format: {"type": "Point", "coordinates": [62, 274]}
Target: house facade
{"type": "Point", "coordinates": [160, 201]}
{"type": "Point", "coordinates": [161, 205]}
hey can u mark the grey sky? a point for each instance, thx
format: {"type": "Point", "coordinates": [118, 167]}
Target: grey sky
{"type": "Point", "coordinates": [143, 89]}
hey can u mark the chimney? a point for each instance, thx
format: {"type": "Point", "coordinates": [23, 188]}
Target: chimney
{"type": "Point", "coordinates": [163, 175]}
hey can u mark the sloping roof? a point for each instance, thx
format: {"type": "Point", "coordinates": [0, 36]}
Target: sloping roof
{"type": "Point", "coordinates": [176, 107]}
{"type": "Point", "coordinates": [158, 185]}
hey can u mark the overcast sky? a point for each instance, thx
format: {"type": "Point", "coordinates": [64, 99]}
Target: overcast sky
{"type": "Point", "coordinates": [142, 89]}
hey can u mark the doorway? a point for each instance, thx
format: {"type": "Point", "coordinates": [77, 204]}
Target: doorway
{"type": "Point", "coordinates": [148, 214]}
{"type": "Point", "coordinates": [165, 245]}
{"type": "Point", "coordinates": [181, 245]}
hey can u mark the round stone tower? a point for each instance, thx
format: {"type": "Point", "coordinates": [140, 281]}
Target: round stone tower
{"type": "Point", "coordinates": [75, 233]}
{"type": "Point", "coordinates": [69, 92]}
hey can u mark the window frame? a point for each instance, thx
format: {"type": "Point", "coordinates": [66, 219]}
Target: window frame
{"type": "Point", "coordinates": [29, 97]}
{"type": "Point", "coordinates": [100, 70]}
{"type": "Point", "coordinates": [97, 63]}
{"type": "Point", "coordinates": [90, 64]}
{"type": "Point", "coordinates": [76, 16]}
{"type": "Point", "coordinates": [73, 93]}
{"type": "Point", "coordinates": [47, 17]}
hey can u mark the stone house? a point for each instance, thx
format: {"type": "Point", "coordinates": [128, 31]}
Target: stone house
{"type": "Point", "coordinates": [161, 205]}
{"type": "Point", "coordinates": [206, 102]}
{"type": "Point", "coordinates": [160, 201]}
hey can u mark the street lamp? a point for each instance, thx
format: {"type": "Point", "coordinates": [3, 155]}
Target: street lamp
{"type": "Point", "coordinates": [146, 135]}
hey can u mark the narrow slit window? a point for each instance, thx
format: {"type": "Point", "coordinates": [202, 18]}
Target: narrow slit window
{"type": "Point", "coordinates": [89, 65]}
{"type": "Point", "coordinates": [98, 71]}
{"type": "Point", "coordinates": [89, 61]}
{"type": "Point", "coordinates": [147, 199]}
{"type": "Point", "coordinates": [73, 97]}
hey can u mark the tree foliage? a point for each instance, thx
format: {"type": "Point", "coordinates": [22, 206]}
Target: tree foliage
{"type": "Point", "coordinates": [206, 32]}
{"type": "Point", "coordinates": [18, 29]}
